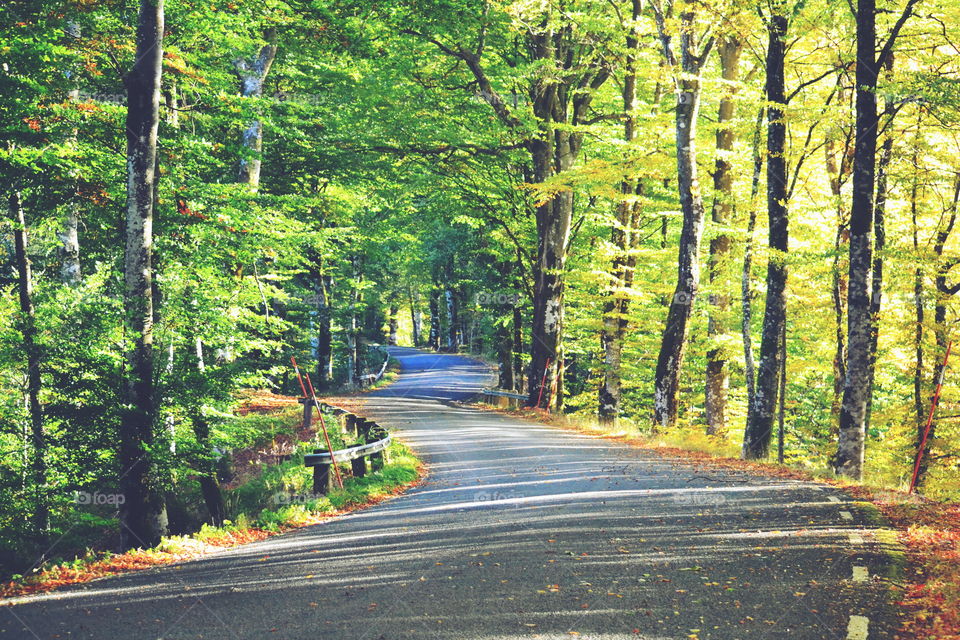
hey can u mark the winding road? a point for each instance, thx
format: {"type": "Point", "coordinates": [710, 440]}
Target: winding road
{"type": "Point", "coordinates": [519, 531]}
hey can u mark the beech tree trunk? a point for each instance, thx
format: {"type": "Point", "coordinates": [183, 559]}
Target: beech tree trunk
{"type": "Point", "coordinates": [28, 331]}
{"type": "Point", "coordinates": [856, 387]}
{"type": "Point", "coordinates": [718, 378]}
{"type": "Point", "coordinates": [355, 362]}
{"type": "Point", "coordinates": [853, 409]}
{"type": "Point", "coordinates": [675, 334]}
{"type": "Point", "coordinates": [624, 238]}
{"type": "Point", "coordinates": [879, 239]}
{"type": "Point", "coordinates": [746, 287]}
{"type": "Point", "coordinates": [553, 231]}
{"type": "Point", "coordinates": [839, 172]}
{"type": "Point", "coordinates": [940, 328]}
{"type": "Point", "coordinates": [762, 411]}
{"type": "Point", "coordinates": [69, 235]}
{"type": "Point", "coordinates": [416, 316]}
{"type": "Point", "coordinates": [919, 310]}
{"type": "Point", "coordinates": [143, 514]}
{"type": "Point", "coordinates": [518, 376]}
{"type": "Point", "coordinates": [324, 332]}
{"type": "Point", "coordinates": [435, 327]}
{"type": "Point", "coordinates": [209, 483]}
{"type": "Point", "coordinates": [453, 320]}
{"type": "Point", "coordinates": [252, 73]}
{"type": "Point", "coordinates": [393, 324]}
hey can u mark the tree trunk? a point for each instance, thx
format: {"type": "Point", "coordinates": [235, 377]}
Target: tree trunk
{"type": "Point", "coordinates": [879, 240]}
{"type": "Point", "coordinates": [675, 334]}
{"type": "Point", "coordinates": [28, 330]}
{"type": "Point", "coordinates": [518, 376]}
{"type": "Point", "coordinates": [746, 289]}
{"type": "Point", "coordinates": [209, 484]}
{"type": "Point", "coordinates": [838, 174]}
{"type": "Point", "coordinates": [252, 74]}
{"type": "Point", "coordinates": [69, 236]}
{"type": "Point", "coordinates": [452, 321]}
{"type": "Point", "coordinates": [919, 310]}
{"type": "Point", "coordinates": [856, 386]}
{"type": "Point", "coordinates": [553, 231]}
{"type": "Point", "coordinates": [435, 326]}
{"type": "Point", "coordinates": [324, 332]}
{"type": "Point", "coordinates": [143, 516]}
{"type": "Point", "coordinates": [355, 363]}
{"type": "Point", "coordinates": [504, 356]}
{"type": "Point", "coordinates": [416, 316]}
{"type": "Point", "coordinates": [761, 414]}
{"type": "Point", "coordinates": [940, 328]}
{"type": "Point", "coordinates": [718, 378]}
{"type": "Point", "coordinates": [393, 324]}
{"type": "Point", "coordinates": [624, 238]}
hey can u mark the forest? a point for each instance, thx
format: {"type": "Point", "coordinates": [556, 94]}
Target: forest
{"type": "Point", "coordinates": [734, 222]}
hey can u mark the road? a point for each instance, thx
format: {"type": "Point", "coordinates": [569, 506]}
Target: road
{"type": "Point", "coordinates": [520, 531]}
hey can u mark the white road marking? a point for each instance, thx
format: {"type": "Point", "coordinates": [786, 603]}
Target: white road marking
{"type": "Point", "coordinates": [860, 574]}
{"type": "Point", "coordinates": [856, 538]}
{"type": "Point", "coordinates": [858, 629]}
{"type": "Point", "coordinates": [846, 515]}
{"type": "Point", "coordinates": [833, 498]}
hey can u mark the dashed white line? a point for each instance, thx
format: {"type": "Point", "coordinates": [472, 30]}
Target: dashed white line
{"type": "Point", "coordinates": [833, 498]}
{"type": "Point", "coordinates": [856, 538]}
{"type": "Point", "coordinates": [858, 628]}
{"type": "Point", "coordinates": [860, 574]}
{"type": "Point", "coordinates": [846, 515]}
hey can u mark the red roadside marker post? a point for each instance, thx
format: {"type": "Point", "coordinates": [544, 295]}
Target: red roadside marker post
{"type": "Point", "coordinates": [323, 426]}
{"type": "Point", "coordinates": [926, 431]}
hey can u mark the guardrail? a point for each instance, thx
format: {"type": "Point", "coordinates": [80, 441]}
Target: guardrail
{"type": "Point", "coordinates": [503, 398]}
{"type": "Point", "coordinates": [370, 379]}
{"type": "Point", "coordinates": [376, 442]}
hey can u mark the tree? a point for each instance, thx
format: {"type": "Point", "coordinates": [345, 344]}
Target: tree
{"type": "Point", "coordinates": [729, 50]}
{"type": "Point", "coordinates": [860, 321]}
{"type": "Point", "coordinates": [756, 440]}
{"type": "Point", "coordinates": [686, 65]}
{"type": "Point", "coordinates": [31, 348]}
{"type": "Point", "coordinates": [143, 514]}
{"type": "Point", "coordinates": [624, 237]}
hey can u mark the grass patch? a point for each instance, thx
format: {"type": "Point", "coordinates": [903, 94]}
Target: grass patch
{"type": "Point", "coordinates": [402, 471]}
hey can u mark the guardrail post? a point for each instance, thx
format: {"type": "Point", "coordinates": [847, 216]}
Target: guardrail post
{"type": "Point", "coordinates": [373, 433]}
{"type": "Point", "coordinates": [322, 482]}
{"type": "Point", "coordinates": [307, 412]}
{"type": "Point", "coordinates": [350, 424]}
{"type": "Point", "coordinates": [359, 467]}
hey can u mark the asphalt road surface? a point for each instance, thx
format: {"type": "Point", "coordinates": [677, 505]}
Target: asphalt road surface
{"type": "Point", "coordinates": [520, 531]}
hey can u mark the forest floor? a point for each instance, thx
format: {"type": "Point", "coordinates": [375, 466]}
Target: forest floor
{"type": "Point", "coordinates": [247, 464]}
{"type": "Point", "coordinates": [928, 530]}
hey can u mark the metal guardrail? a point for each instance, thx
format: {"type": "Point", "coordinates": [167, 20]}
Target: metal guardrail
{"type": "Point", "coordinates": [343, 455]}
{"type": "Point", "coordinates": [504, 394]}
{"type": "Point", "coordinates": [352, 425]}
{"type": "Point", "coordinates": [503, 398]}
{"type": "Point", "coordinates": [368, 379]}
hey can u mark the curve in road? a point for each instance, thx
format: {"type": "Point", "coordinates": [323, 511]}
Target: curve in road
{"type": "Point", "coordinates": [520, 531]}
